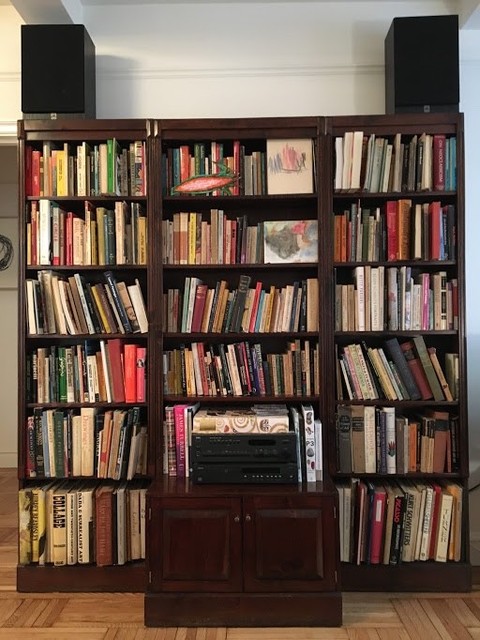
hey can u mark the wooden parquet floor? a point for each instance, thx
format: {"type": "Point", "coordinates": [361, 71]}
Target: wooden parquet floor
{"type": "Point", "coordinates": [367, 616]}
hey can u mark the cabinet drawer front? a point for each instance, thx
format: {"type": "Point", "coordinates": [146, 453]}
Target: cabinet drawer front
{"type": "Point", "coordinates": [289, 545]}
{"type": "Point", "coordinates": [195, 545]}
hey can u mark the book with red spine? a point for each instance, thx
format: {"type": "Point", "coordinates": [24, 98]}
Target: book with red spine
{"type": "Point", "coordinates": [199, 306]}
{"type": "Point", "coordinates": [435, 213]}
{"type": "Point", "coordinates": [377, 525]}
{"type": "Point", "coordinates": [35, 176]}
{"type": "Point", "coordinates": [130, 366]}
{"type": "Point", "coordinates": [437, 492]}
{"type": "Point", "coordinates": [417, 369]}
{"type": "Point", "coordinates": [180, 438]}
{"type": "Point", "coordinates": [392, 236]}
{"type": "Point", "coordinates": [103, 525]}
{"type": "Point", "coordinates": [115, 354]}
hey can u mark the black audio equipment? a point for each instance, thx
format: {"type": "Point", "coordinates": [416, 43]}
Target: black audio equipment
{"type": "Point", "coordinates": [244, 473]}
{"type": "Point", "coordinates": [422, 65]}
{"type": "Point", "coordinates": [257, 448]}
{"type": "Point", "coordinates": [58, 71]}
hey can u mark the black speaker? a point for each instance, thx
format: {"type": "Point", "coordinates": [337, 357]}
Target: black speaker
{"type": "Point", "coordinates": [422, 65]}
{"type": "Point", "coordinates": [58, 71]}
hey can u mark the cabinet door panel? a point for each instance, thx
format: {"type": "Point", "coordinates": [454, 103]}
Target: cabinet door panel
{"type": "Point", "coordinates": [289, 544]}
{"type": "Point", "coordinates": [195, 545]}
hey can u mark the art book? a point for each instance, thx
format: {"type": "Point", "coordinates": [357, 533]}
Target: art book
{"type": "Point", "coordinates": [289, 166]}
{"type": "Point", "coordinates": [290, 241]}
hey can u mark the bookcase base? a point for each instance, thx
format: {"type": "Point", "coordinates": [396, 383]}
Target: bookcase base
{"type": "Point", "coordinates": [417, 576]}
{"type": "Point", "coordinates": [243, 610]}
{"type": "Point", "coordinates": [88, 578]}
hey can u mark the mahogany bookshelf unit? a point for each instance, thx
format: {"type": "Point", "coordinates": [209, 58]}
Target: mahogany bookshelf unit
{"type": "Point", "coordinates": [264, 554]}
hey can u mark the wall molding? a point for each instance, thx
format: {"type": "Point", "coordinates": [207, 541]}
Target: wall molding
{"type": "Point", "coordinates": [242, 72]}
{"type": "Point", "coordinates": [8, 132]}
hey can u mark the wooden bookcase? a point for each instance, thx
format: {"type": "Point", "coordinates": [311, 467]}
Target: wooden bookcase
{"type": "Point", "coordinates": [223, 541]}
{"type": "Point", "coordinates": [47, 246]}
{"type": "Point", "coordinates": [259, 577]}
{"type": "Point", "coordinates": [445, 338]}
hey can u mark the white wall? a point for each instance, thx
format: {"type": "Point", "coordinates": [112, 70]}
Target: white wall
{"type": "Point", "coordinates": [8, 307]}
{"type": "Point", "coordinates": [253, 59]}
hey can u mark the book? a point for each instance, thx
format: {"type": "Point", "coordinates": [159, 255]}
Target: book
{"type": "Point", "coordinates": [418, 372]}
{"type": "Point", "coordinates": [344, 439]}
{"type": "Point", "coordinates": [25, 525]}
{"type": "Point", "coordinates": [103, 501]}
{"type": "Point", "coordinates": [266, 419]}
{"type": "Point", "coordinates": [443, 526]}
{"type": "Point", "coordinates": [393, 348]}
{"type": "Point", "coordinates": [289, 166]}
{"type": "Point", "coordinates": [85, 523]}
{"type": "Point", "coordinates": [358, 438]}
{"type": "Point", "coordinates": [310, 447]}
{"type": "Point", "coordinates": [377, 524]}
{"type": "Point", "coordinates": [427, 364]}
{"type": "Point", "coordinates": [290, 241]}
{"type": "Point", "coordinates": [59, 532]}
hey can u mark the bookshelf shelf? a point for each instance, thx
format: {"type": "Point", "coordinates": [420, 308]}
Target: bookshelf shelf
{"type": "Point", "coordinates": [127, 578]}
{"type": "Point", "coordinates": [251, 399]}
{"type": "Point", "coordinates": [395, 195]}
{"type": "Point", "coordinates": [296, 266]}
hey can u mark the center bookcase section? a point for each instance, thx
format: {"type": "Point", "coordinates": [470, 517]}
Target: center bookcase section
{"type": "Point", "coordinates": [84, 398]}
{"type": "Point", "coordinates": [240, 379]}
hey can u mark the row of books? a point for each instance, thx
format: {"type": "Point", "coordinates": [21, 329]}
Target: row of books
{"type": "Point", "coordinates": [194, 238]}
{"type": "Point", "coordinates": [89, 443]}
{"type": "Point", "coordinates": [399, 230]}
{"type": "Point", "coordinates": [95, 371]}
{"type": "Point", "coordinates": [422, 162]}
{"type": "Point", "coordinates": [241, 368]}
{"type": "Point", "coordinates": [67, 523]}
{"type": "Point", "coordinates": [189, 239]}
{"type": "Point", "coordinates": [181, 420]}
{"type": "Point", "coordinates": [396, 298]}
{"type": "Point", "coordinates": [410, 372]}
{"type": "Point", "coordinates": [199, 308]}
{"type": "Point", "coordinates": [399, 522]}
{"type": "Point", "coordinates": [87, 169]}
{"type": "Point", "coordinates": [373, 439]}
{"type": "Point", "coordinates": [72, 305]}
{"type": "Point", "coordinates": [229, 168]}
{"type": "Point", "coordinates": [57, 236]}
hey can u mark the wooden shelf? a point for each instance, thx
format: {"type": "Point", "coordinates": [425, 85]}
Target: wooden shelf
{"type": "Point", "coordinates": [81, 578]}
{"type": "Point", "coordinates": [411, 576]}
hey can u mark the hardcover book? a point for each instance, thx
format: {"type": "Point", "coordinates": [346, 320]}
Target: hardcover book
{"type": "Point", "coordinates": [290, 241]}
{"type": "Point", "coordinates": [239, 421]}
{"type": "Point", "coordinates": [289, 166]}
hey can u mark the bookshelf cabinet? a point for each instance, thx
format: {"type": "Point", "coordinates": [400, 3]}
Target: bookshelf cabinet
{"type": "Point", "coordinates": [84, 404]}
{"type": "Point", "coordinates": [387, 278]}
{"type": "Point", "coordinates": [397, 287]}
{"type": "Point", "coordinates": [221, 540]}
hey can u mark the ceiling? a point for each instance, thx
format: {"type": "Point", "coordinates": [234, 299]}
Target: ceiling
{"type": "Point", "coordinates": [38, 11]}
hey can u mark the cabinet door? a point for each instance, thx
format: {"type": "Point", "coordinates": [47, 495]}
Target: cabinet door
{"type": "Point", "coordinates": [195, 544]}
{"type": "Point", "coordinates": [289, 543]}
